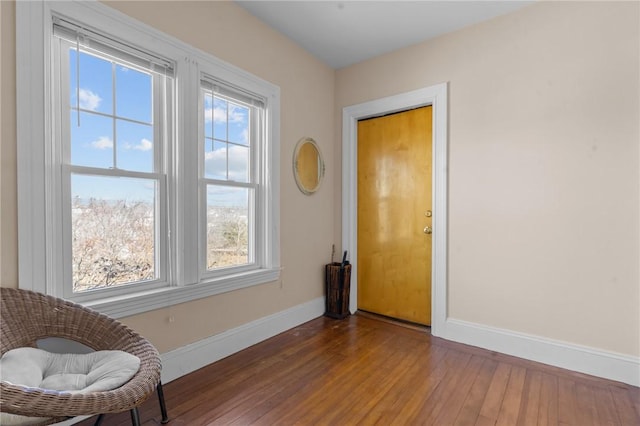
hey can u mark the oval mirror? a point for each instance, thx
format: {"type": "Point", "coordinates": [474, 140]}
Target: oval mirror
{"type": "Point", "coordinates": [308, 166]}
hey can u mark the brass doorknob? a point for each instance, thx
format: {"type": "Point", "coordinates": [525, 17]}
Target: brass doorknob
{"type": "Point", "coordinates": [427, 230]}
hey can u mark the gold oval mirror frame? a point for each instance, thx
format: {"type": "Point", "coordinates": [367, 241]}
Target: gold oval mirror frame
{"type": "Point", "coordinates": [308, 166]}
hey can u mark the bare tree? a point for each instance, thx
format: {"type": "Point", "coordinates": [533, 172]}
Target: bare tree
{"type": "Point", "coordinates": [227, 237]}
{"type": "Point", "coordinates": [113, 243]}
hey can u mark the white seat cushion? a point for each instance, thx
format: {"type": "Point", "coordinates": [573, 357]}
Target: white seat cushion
{"type": "Point", "coordinates": [73, 373]}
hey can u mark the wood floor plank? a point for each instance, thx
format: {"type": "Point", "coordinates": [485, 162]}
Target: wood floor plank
{"type": "Point", "coordinates": [422, 375]}
{"type": "Point", "coordinates": [470, 410]}
{"type": "Point", "coordinates": [271, 396]}
{"type": "Point", "coordinates": [361, 371]}
{"type": "Point", "coordinates": [484, 421]}
{"type": "Point", "coordinates": [426, 400]}
{"type": "Point", "coordinates": [495, 394]}
{"type": "Point", "coordinates": [566, 401]}
{"type": "Point", "coordinates": [624, 406]}
{"type": "Point", "coordinates": [605, 407]}
{"type": "Point", "coordinates": [510, 408]}
{"type": "Point", "coordinates": [586, 413]}
{"type": "Point", "coordinates": [264, 385]}
{"type": "Point", "coordinates": [378, 382]}
{"type": "Point", "coordinates": [231, 391]}
{"type": "Point", "coordinates": [443, 406]}
{"type": "Point", "coordinates": [341, 398]}
{"type": "Point", "coordinates": [548, 407]}
{"type": "Point", "coordinates": [530, 403]}
{"type": "Point", "coordinates": [325, 390]}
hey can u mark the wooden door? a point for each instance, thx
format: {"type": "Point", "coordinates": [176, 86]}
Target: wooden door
{"type": "Point", "coordinates": [394, 207]}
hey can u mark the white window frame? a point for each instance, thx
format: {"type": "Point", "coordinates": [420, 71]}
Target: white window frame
{"type": "Point", "coordinates": [252, 184]}
{"type": "Point", "coordinates": [62, 155]}
{"type": "Point", "coordinates": [39, 262]}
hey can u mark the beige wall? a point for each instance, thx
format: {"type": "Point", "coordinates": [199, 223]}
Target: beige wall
{"type": "Point", "coordinates": [544, 185]}
{"type": "Point", "coordinates": [228, 32]}
{"type": "Point", "coordinates": [543, 166]}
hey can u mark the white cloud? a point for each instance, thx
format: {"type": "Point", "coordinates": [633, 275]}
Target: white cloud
{"type": "Point", "coordinates": [89, 100]}
{"type": "Point", "coordinates": [219, 115]}
{"type": "Point", "coordinates": [144, 145]}
{"type": "Point", "coordinates": [237, 114]}
{"type": "Point", "coordinates": [103, 142]}
{"type": "Point", "coordinates": [238, 163]}
{"type": "Point", "coordinates": [215, 163]}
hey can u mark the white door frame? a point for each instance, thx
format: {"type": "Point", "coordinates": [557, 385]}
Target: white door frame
{"type": "Point", "coordinates": [436, 96]}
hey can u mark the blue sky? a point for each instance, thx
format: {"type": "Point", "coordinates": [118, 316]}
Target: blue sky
{"type": "Point", "coordinates": [116, 130]}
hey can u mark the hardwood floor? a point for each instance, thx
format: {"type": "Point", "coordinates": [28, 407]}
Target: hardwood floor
{"type": "Point", "coordinates": [364, 371]}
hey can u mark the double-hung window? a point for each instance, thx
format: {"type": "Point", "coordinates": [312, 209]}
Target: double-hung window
{"type": "Point", "coordinates": [148, 170]}
{"type": "Point", "coordinates": [112, 107]}
{"type": "Point", "coordinates": [229, 175]}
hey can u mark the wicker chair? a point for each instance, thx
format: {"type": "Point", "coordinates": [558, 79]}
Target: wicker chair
{"type": "Point", "coordinates": [27, 317]}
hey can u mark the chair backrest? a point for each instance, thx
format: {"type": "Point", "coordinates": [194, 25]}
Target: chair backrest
{"type": "Point", "coordinates": [27, 317]}
{"type": "Point", "coordinates": [20, 314]}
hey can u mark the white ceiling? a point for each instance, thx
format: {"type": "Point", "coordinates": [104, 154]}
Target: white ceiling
{"type": "Point", "coordinates": [342, 33]}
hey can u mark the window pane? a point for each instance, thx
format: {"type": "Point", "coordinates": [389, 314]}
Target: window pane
{"type": "Point", "coordinates": [238, 124]}
{"type": "Point", "coordinates": [208, 144]}
{"type": "Point", "coordinates": [113, 231]}
{"type": "Point", "coordinates": [227, 226]}
{"type": "Point", "coordinates": [208, 115]}
{"type": "Point", "coordinates": [230, 158]}
{"type": "Point", "coordinates": [215, 162]}
{"type": "Point", "coordinates": [92, 141]}
{"type": "Point", "coordinates": [238, 163]}
{"type": "Point", "coordinates": [134, 147]}
{"type": "Point", "coordinates": [133, 94]}
{"type": "Point", "coordinates": [219, 116]}
{"type": "Point", "coordinates": [95, 82]}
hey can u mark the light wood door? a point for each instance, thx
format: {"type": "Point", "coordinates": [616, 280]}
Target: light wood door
{"type": "Point", "coordinates": [394, 207]}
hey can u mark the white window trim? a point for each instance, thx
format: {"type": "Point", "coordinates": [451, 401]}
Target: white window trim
{"type": "Point", "coordinates": [36, 227]}
{"type": "Point", "coordinates": [257, 153]}
{"type": "Point", "coordinates": [63, 152]}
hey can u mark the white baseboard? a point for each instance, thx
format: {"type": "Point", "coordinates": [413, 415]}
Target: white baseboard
{"type": "Point", "coordinates": [187, 359]}
{"type": "Point", "coordinates": [596, 362]}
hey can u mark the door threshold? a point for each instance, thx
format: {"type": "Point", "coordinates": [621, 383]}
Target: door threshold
{"type": "Point", "coordinates": [395, 321]}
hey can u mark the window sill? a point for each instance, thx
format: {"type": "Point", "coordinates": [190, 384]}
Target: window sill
{"type": "Point", "coordinates": [137, 303]}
